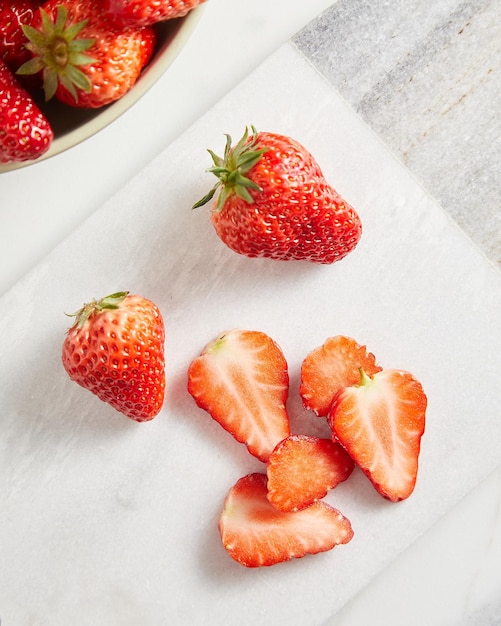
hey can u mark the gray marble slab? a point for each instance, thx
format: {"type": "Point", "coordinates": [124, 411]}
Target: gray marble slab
{"type": "Point", "coordinates": [425, 75]}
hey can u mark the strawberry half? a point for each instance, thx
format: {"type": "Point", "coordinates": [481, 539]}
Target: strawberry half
{"type": "Point", "coordinates": [380, 423]}
{"type": "Point", "coordinates": [254, 533]}
{"type": "Point", "coordinates": [241, 380]}
{"type": "Point", "coordinates": [273, 201]}
{"type": "Point", "coordinates": [302, 469]}
{"type": "Point", "coordinates": [115, 349]}
{"type": "Point", "coordinates": [332, 367]}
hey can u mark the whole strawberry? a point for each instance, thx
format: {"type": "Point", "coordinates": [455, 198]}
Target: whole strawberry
{"type": "Point", "coordinates": [116, 350]}
{"type": "Point", "coordinates": [274, 202]}
{"type": "Point", "coordinates": [25, 132]}
{"type": "Point", "coordinates": [13, 14]}
{"type": "Point", "coordinates": [85, 59]}
{"type": "Point", "coordinates": [147, 12]}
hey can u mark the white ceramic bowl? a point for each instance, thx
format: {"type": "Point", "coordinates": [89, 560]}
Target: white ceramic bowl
{"type": "Point", "coordinates": [71, 125]}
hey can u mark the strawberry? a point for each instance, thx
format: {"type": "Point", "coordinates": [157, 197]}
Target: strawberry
{"type": "Point", "coordinates": [148, 12]}
{"type": "Point", "coordinates": [116, 350]}
{"type": "Point", "coordinates": [241, 380]}
{"type": "Point", "coordinates": [273, 201]}
{"type": "Point", "coordinates": [85, 59]}
{"type": "Point", "coordinates": [380, 422]}
{"type": "Point", "coordinates": [13, 14]}
{"type": "Point", "coordinates": [302, 469]}
{"type": "Point", "coordinates": [328, 369]}
{"type": "Point", "coordinates": [25, 132]}
{"type": "Point", "coordinates": [255, 534]}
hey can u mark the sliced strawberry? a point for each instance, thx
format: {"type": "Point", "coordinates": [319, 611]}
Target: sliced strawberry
{"type": "Point", "coordinates": [241, 380]}
{"type": "Point", "coordinates": [332, 367]}
{"type": "Point", "coordinates": [256, 534]}
{"type": "Point", "coordinates": [302, 469]}
{"type": "Point", "coordinates": [380, 423]}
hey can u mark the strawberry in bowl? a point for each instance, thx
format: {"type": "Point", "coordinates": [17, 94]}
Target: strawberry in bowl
{"type": "Point", "coordinates": [95, 68]}
{"type": "Point", "coordinates": [83, 58]}
{"type": "Point", "coordinates": [25, 132]}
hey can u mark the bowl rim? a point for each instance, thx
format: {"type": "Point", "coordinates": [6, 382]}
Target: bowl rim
{"type": "Point", "coordinates": [166, 53]}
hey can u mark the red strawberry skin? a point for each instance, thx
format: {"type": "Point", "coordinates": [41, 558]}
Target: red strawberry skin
{"type": "Point", "coordinates": [14, 13]}
{"type": "Point", "coordinates": [241, 379]}
{"type": "Point", "coordinates": [292, 213]}
{"type": "Point", "coordinates": [330, 368]}
{"type": "Point", "coordinates": [118, 55]}
{"type": "Point", "coordinates": [380, 423]}
{"type": "Point", "coordinates": [302, 469]}
{"type": "Point", "coordinates": [25, 132]}
{"type": "Point", "coordinates": [117, 353]}
{"type": "Point", "coordinates": [255, 534]}
{"type": "Point", "coordinates": [148, 12]}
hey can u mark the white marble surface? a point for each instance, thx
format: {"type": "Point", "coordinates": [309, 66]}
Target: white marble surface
{"type": "Point", "coordinates": [450, 575]}
{"type": "Point", "coordinates": [426, 76]}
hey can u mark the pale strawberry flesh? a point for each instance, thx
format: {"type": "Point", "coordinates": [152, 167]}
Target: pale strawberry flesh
{"type": "Point", "coordinates": [328, 369]}
{"type": "Point", "coordinates": [302, 469]}
{"type": "Point", "coordinates": [256, 534]}
{"type": "Point", "coordinates": [380, 423]}
{"type": "Point", "coordinates": [241, 380]}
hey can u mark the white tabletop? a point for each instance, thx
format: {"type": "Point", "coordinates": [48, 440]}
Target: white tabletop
{"type": "Point", "coordinates": [449, 576]}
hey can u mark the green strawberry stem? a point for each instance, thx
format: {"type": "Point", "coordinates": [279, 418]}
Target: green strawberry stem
{"type": "Point", "coordinates": [58, 53]}
{"type": "Point", "coordinates": [107, 303]}
{"type": "Point", "coordinates": [365, 379]}
{"type": "Point", "coordinates": [231, 170]}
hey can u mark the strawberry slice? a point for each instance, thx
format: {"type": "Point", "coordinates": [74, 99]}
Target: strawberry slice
{"type": "Point", "coordinates": [330, 368]}
{"type": "Point", "coordinates": [256, 534]}
{"type": "Point", "coordinates": [302, 469]}
{"type": "Point", "coordinates": [241, 380]}
{"type": "Point", "coordinates": [380, 423]}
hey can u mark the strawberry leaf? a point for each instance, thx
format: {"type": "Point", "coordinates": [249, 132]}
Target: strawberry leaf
{"type": "Point", "coordinates": [231, 169]}
{"type": "Point", "coordinates": [50, 83]}
{"type": "Point", "coordinates": [77, 79]}
{"type": "Point", "coordinates": [33, 66]}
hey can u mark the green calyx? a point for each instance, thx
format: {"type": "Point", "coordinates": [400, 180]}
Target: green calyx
{"type": "Point", "coordinates": [57, 53]}
{"type": "Point", "coordinates": [231, 170]}
{"type": "Point", "coordinates": [96, 306]}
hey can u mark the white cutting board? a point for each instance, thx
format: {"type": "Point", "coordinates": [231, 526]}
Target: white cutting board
{"type": "Point", "coordinates": [105, 521]}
